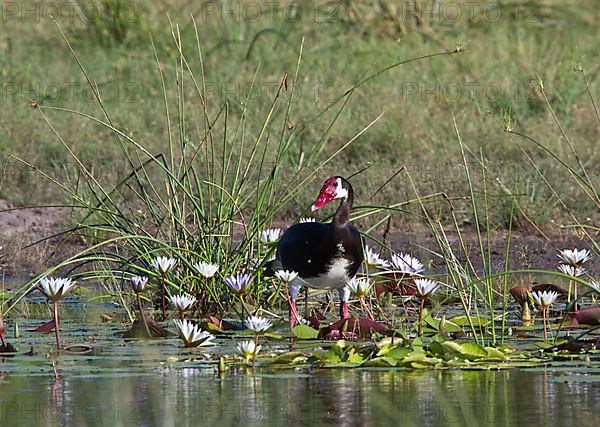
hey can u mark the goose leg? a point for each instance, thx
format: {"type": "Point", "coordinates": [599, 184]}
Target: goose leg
{"type": "Point", "coordinates": [344, 297]}
{"type": "Point", "coordinates": [294, 290]}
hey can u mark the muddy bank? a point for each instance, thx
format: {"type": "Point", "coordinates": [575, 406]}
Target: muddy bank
{"type": "Point", "coordinates": [20, 229]}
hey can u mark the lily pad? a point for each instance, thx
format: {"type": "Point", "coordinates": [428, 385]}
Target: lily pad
{"type": "Point", "coordinates": [380, 362]}
{"type": "Point", "coordinates": [353, 327]}
{"type": "Point", "coordinates": [464, 320]}
{"type": "Point", "coordinates": [494, 354]}
{"type": "Point", "coordinates": [289, 358]}
{"type": "Point", "coordinates": [305, 332]}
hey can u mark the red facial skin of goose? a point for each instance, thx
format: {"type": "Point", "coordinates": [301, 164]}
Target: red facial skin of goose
{"type": "Point", "coordinates": [326, 195]}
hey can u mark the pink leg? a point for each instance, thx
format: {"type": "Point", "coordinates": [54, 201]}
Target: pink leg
{"type": "Point", "coordinates": [344, 295]}
{"type": "Point", "coordinates": [293, 314]}
{"type": "Point", "coordinates": [344, 310]}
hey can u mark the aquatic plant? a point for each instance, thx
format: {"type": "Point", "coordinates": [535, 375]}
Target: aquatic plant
{"type": "Point", "coordinates": [206, 269]}
{"type": "Point", "coordinates": [248, 350]}
{"type": "Point", "coordinates": [138, 284]}
{"type": "Point", "coordinates": [270, 235]}
{"type": "Point", "coordinates": [2, 331]}
{"type": "Point", "coordinates": [571, 264]}
{"type": "Point", "coordinates": [544, 299]}
{"type": "Point", "coordinates": [407, 264]}
{"type": "Point", "coordinates": [163, 265]}
{"type": "Point", "coordinates": [425, 287]}
{"type": "Point", "coordinates": [191, 334]}
{"type": "Point", "coordinates": [288, 277]}
{"type": "Point", "coordinates": [257, 325]}
{"type": "Point", "coordinates": [183, 303]}
{"type": "Point", "coordinates": [238, 283]}
{"type": "Point", "coordinates": [55, 288]}
{"type": "Point", "coordinates": [373, 259]}
{"type": "Point", "coordinates": [360, 287]}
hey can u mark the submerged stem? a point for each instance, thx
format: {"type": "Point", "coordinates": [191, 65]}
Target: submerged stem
{"type": "Point", "coordinates": [139, 301]}
{"type": "Point", "coordinates": [164, 303]}
{"type": "Point", "coordinates": [366, 308]}
{"type": "Point", "coordinates": [420, 327]}
{"type": "Point", "coordinates": [544, 319]}
{"type": "Point", "coordinates": [56, 332]}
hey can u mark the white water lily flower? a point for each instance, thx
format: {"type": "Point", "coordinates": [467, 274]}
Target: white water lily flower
{"type": "Point", "coordinates": [571, 271]}
{"type": "Point", "coordinates": [182, 302]}
{"type": "Point", "coordinates": [248, 349]}
{"type": "Point", "coordinates": [595, 285]}
{"type": "Point", "coordinates": [405, 263]}
{"type": "Point", "coordinates": [163, 264]}
{"type": "Point", "coordinates": [374, 260]}
{"type": "Point", "coordinates": [138, 283]}
{"type": "Point", "coordinates": [359, 287]}
{"type": "Point", "coordinates": [191, 335]}
{"type": "Point", "coordinates": [426, 287]}
{"type": "Point", "coordinates": [574, 257]}
{"type": "Point", "coordinates": [544, 299]}
{"type": "Point", "coordinates": [306, 219]}
{"type": "Point", "coordinates": [54, 288]}
{"type": "Point", "coordinates": [206, 269]}
{"type": "Point", "coordinates": [286, 275]}
{"type": "Point", "coordinates": [257, 324]}
{"type": "Point", "coordinates": [270, 235]}
{"type": "Point", "coordinates": [238, 283]}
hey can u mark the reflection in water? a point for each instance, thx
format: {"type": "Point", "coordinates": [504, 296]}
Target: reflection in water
{"type": "Point", "coordinates": [123, 383]}
{"type": "Point", "coordinates": [196, 395]}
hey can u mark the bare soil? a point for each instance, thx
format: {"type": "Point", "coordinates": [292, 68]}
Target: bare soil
{"type": "Point", "coordinates": [21, 228]}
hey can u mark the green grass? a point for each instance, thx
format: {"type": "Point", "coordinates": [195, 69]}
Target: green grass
{"type": "Point", "coordinates": [496, 73]}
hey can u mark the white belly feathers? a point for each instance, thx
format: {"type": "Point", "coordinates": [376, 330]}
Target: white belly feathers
{"type": "Point", "coordinates": [335, 277]}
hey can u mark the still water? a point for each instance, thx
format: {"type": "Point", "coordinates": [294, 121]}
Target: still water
{"type": "Point", "coordinates": [158, 383]}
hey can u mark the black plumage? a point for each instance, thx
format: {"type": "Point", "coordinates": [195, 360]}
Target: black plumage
{"type": "Point", "coordinates": [313, 248]}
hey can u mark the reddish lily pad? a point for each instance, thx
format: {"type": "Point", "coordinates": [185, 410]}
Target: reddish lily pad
{"type": "Point", "coordinates": [45, 328]}
{"type": "Point", "coordinates": [586, 316]}
{"type": "Point", "coordinates": [8, 348]}
{"type": "Point", "coordinates": [396, 283]}
{"type": "Point", "coordinates": [352, 327]}
{"type": "Point", "coordinates": [217, 326]}
{"type": "Point", "coordinates": [138, 330]}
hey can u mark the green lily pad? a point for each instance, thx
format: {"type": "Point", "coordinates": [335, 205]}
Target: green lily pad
{"type": "Point", "coordinates": [473, 351]}
{"type": "Point", "coordinates": [354, 357]}
{"type": "Point", "coordinates": [380, 362]}
{"type": "Point", "coordinates": [289, 358]}
{"type": "Point", "coordinates": [448, 325]}
{"type": "Point", "coordinates": [398, 353]}
{"type": "Point", "coordinates": [305, 332]}
{"type": "Point", "coordinates": [464, 320]}
{"type": "Point", "coordinates": [214, 329]}
{"type": "Point", "coordinates": [451, 347]}
{"type": "Point", "coordinates": [494, 354]}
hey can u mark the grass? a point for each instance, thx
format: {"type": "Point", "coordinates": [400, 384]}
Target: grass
{"type": "Point", "coordinates": [496, 74]}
